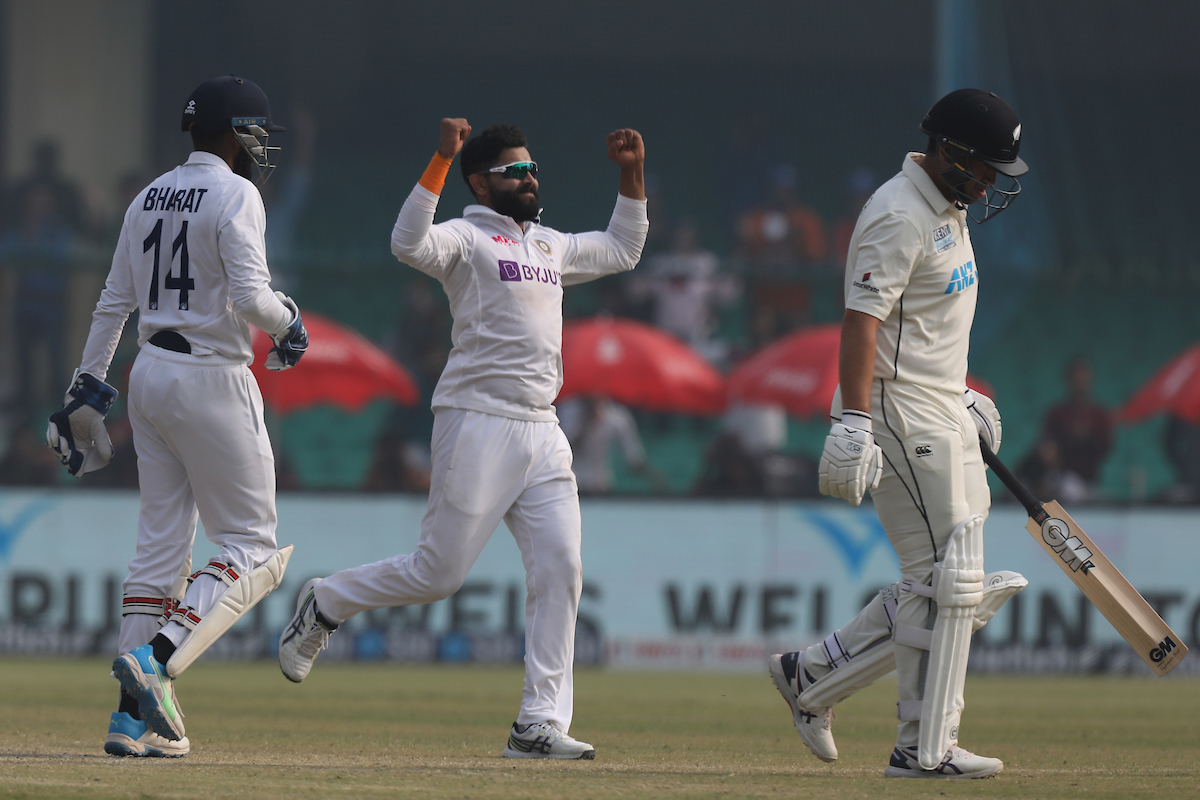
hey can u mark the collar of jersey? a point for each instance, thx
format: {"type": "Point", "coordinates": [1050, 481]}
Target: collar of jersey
{"type": "Point", "coordinates": [210, 159]}
{"type": "Point", "coordinates": [937, 201]}
{"type": "Point", "coordinates": [495, 217]}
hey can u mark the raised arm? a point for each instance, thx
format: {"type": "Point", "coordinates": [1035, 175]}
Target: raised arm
{"type": "Point", "coordinates": [414, 239]}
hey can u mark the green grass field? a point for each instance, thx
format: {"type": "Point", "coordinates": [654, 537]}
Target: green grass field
{"type": "Point", "coordinates": [366, 731]}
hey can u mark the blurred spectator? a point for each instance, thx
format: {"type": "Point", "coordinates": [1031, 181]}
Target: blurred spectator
{"type": "Point", "coordinates": [782, 246]}
{"type": "Point", "coordinates": [1076, 437]}
{"type": "Point", "coordinates": [40, 234]}
{"type": "Point", "coordinates": [287, 194]}
{"type": "Point", "coordinates": [593, 425]}
{"type": "Point", "coordinates": [729, 470]}
{"type": "Point", "coordinates": [65, 195]}
{"type": "Point", "coordinates": [686, 289]}
{"type": "Point", "coordinates": [860, 187]}
{"type": "Point", "coordinates": [28, 462]}
{"type": "Point", "coordinates": [1181, 441]}
{"type": "Point", "coordinates": [399, 464]}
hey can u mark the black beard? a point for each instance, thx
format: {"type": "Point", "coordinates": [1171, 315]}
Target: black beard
{"type": "Point", "coordinates": [243, 165]}
{"type": "Point", "coordinates": [521, 208]}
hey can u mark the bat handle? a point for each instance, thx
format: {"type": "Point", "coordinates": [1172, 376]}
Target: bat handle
{"type": "Point", "coordinates": [1031, 503]}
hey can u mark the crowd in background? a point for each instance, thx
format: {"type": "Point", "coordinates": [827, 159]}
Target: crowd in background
{"type": "Point", "coordinates": [781, 271]}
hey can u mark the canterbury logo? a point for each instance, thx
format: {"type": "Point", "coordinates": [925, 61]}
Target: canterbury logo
{"type": "Point", "coordinates": [923, 450]}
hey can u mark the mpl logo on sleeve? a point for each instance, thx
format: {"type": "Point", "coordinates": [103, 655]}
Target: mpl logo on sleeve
{"type": "Point", "coordinates": [943, 239]}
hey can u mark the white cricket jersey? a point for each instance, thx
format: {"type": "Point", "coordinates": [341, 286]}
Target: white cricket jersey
{"type": "Point", "coordinates": [191, 259]}
{"type": "Point", "coordinates": [911, 265]}
{"type": "Point", "coordinates": [505, 287]}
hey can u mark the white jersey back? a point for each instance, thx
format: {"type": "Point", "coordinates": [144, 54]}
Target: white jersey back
{"type": "Point", "coordinates": [911, 265]}
{"type": "Point", "coordinates": [191, 258]}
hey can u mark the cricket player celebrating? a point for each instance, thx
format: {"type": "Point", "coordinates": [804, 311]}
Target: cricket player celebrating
{"type": "Point", "coordinates": [191, 259]}
{"type": "Point", "coordinates": [498, 451]}
{"type": "Point", "coordinates": [906, 428]}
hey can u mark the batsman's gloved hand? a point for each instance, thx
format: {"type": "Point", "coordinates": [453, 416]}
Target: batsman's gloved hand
{"type": "Point", "coordinates": [291, 342]}
{"type": "Point", "coordinates": [76, 432]}
{"type": "Point", "coordinates": [985, 416]}
{"type": "Point", "coordinates": [852, 463]}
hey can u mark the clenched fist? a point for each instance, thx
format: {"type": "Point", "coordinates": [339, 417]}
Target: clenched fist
{"type": "Point", "coordinates": [453, 136]}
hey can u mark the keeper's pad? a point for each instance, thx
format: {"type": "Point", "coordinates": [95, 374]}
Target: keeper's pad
{"type": "Point", "coordinates": [244, 592]}
{"type": "Point", "coordinates": [160, 606]}
{"type": "Point", "coordinates": [958, 590]}
{"type": "Point", "coordinates": [863, 669]}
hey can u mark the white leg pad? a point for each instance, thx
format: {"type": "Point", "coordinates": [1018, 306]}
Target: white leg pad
{"type": "Point", "coordinates": [243, 594]}
{"type": "Point", "coordinates": [958, 589]}
{"type": "Point", "coordinates": [871, 665]}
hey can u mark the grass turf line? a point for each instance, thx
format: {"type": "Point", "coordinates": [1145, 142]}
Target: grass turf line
{"type": "Point", "coordinates": [380, 730]}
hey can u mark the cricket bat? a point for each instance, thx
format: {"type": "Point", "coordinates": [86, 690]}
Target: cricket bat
{"type": "Point", "coordinates": [1101, 582]}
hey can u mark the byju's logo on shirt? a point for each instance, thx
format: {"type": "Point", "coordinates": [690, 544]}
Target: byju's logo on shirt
{"type": "Point", "coordinates": [512, 271]}
{"type": "Point", "coordinates": [963, 277]}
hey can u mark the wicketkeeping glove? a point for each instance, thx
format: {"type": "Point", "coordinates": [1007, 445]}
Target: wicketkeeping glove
{"type": "Point", "coordinates": [76, 433]}
{"type": "Point", "coordinates": [852, 463]}
{"type": "Point", "coordinates": [986, 417]}
{"type": "Point", "coordinates": [291, 343]}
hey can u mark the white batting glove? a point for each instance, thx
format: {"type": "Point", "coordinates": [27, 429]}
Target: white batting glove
{"type": "Point", "coordinates": [986, 417]}
{"type": "Point", "coordinates": [852, 463]}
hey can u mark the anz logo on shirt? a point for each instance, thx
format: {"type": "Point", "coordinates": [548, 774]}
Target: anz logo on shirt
{"type": "Point", "coordinates": [963, 277]}
{"type": "Point", "coordinates": [512, 271]}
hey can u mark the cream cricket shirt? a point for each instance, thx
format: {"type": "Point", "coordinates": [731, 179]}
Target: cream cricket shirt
{"type": "Point", "coordinates": [505, 287]}
{"type": "Point", "coordinates": [911, 265]}
{"type": "Point", "coordinates": [191, 258]}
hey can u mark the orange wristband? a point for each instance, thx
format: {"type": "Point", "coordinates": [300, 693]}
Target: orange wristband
{"type": "Point", "coordinates": [434, 178]}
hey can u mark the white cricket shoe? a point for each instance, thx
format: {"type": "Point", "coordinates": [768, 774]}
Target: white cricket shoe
{"type": "Point", "coordinates": [305, 636]}
{"type": "Point", "coordinates": [958, 763]}
{"type": "Point", "coordinates": [813, 724]}
{"type": "Point", "coordinates": [146, 680]}
{"type": "Point", "coordinates": [542, 740]}
{"type": "Point", "coordinates": [132, 737]}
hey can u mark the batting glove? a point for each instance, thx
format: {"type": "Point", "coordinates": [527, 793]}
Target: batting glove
{"type": "Point", "coordinates": [291, 343]}
{"type": "Point", "coordinates": [985, 416]}
{"type": "Point", "coordinates": [76, 433]}
{"type": "Point", "coordinates": [852, 463]}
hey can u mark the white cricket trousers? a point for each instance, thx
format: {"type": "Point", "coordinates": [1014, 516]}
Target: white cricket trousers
{"type": "Point", "coordinates": [486, 469]}
{"type": "Point", "coordinates": [203, 452]}
{"type": "Point", "coordinates": [933, 479]}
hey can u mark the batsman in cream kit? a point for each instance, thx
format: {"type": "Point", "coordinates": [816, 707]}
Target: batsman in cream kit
{"type": "Point", "coordinates": [906, 427]}
{"type": "Point", "coordinates": [191, 260]}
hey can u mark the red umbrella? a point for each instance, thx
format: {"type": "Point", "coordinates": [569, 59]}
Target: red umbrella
{"type": "Point", "coordinates": [341, 368]}
{"type": "Point", "coordinates": [1175, 388]}
{"type": "Point", "coordinates": [638, 365]}
{"type": "Point", "coordinates": [799, 372]}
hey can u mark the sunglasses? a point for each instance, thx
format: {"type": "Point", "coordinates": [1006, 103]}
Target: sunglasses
{"type": "Point", "coordinates": [517, 169]}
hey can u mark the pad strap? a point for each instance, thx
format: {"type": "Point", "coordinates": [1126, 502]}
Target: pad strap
{"type": "Point", "coordinates": [908, 710]}
{"type": "Point", "coordinates": [219, 570]}
{"type": "Point", "coordinates": [139, 604]}
{"type": "Point", "coordinates": [187, 617]}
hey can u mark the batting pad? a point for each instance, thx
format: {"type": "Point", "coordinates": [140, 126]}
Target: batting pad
{"type": "Point", "coordinates": [241, 596]}
{"type": "Point", "coordinates": [958, 588]}
{"type": "Point", "coordinates": [869, 666]}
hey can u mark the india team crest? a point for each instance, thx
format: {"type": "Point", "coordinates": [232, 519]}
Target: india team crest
{"type": "Point", "coordinates": [544, 246]}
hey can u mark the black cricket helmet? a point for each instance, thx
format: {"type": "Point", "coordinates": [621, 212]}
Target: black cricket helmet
{"type": "Point", "coordinates": [976, 124]}
{"type": "Point", "coordinates": [229, 102]}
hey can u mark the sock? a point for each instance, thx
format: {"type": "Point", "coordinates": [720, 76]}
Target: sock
{"type": "Point", "coordinates": [128, 705]}
{"type": "Point", "coordinates": [164, 648]}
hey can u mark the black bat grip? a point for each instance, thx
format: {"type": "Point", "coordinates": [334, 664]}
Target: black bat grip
{"type": "Point", "coordinates": [1031, 503]}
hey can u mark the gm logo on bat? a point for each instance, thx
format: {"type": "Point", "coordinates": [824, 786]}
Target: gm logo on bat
{"type": "Point", "coordinates": [1057, 534]}
{"type": "Point", "coordinates": [1157, 654]}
